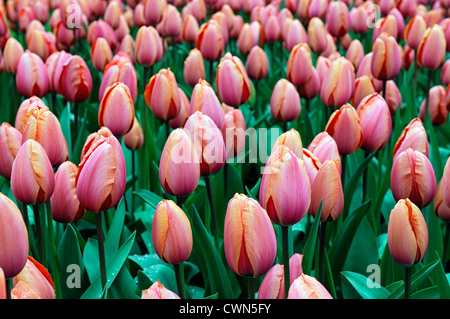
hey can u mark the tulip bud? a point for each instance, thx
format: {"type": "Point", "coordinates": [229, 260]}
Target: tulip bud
{"type": "Point", "coordinates": [101, 175]}
{"type": "Point", "coordinates": [33, 282]}
{"type": "Point", "coordinates": [164, 106]}
{"type": "Point", "coordinates": [75, 82]}
{"type": "Point", "coordinates": [432, 48]}
{"type": "Point", "coordinates": [338, 85]}
{"type": "Point", "coordinates": [412, 176]}
{"type": "Point", "coordinates": [358, 17]}
{"type": "Point", "coordinates": [249, 238]}
{"type": "Point", "coordinates": [376, 122]}
{"type": "Point", "coordinates": [32, 179]}
{"type": "Point", "coordinates": [355, 53]}
{"type": "Point", "coordinates": [190, 29]}
{"type": "Point", "coordinates": [250, 35]}
{"type": "Point", "coordinates": [295, 34]}
{"type": "Point", "coordinates": [158, 291]}
{"type": "Point", "coordinates": [210, 41]}
{"type": "Point", "coordinates": [285, 103]}
{"type": "Point", "coordinates": [149, 46]}
{"type": "Point", "coordinates": [437, 107]}
{"type": "Point", "coordinates": [388, 25]}
{"type": "Point", "coordinates": [307, 287]}
{"type": "Point", "coordinates": [134, 139]}
{"type": "Point", "coordinates": [413, 136]}
{"type": "Point", "coordinates": [233, 132]}
{"type": "Point", "coordinates": [299, 65]}
{"type": "Point", "coordinates": [363, 88]}
{"type": "Point", "coordinates": [12, 53]}
{"type": "Point", "coordinates": [407, 233]}
{"type": "Point", "coordinates": [386, 58]}
{"type": "Point", "coordinates": [440, 206]}
{"type": "Point", "coordinates": [184, 113]}
{"type": "Point", "coordinates": [337, 20]}
{"type": "Point", "coordinates": [324, 147]}
{"type": "Point", "coordinates": [101, 54]}
{"type": "Point", "coordinates": [116, 110]}
{"type": "Point", "coordinates": [445, 73]}
{"type": "Point", "coordinates": [292, 140]}
{"type": "Point", "coordinates": [312, 164]}
{"type": "Point", "coordinates": [257, 63]}
{"type": "Point", "coordinates": [344, 126]}
{"type": "Point", "coordinates": [153, 10]}
{"type": "Point", "coordinates": [31, 77]}
{"type": "Point", "coordinates": [13, 239]}
{"type": "Point", "coordinates": [317, 35]}
{"type": "Point", "coordinates": [10, 142]}
{"type": "Point", "coordinates": [91, 140]}
{"type": "Point", "coordinates": [120, 69]}
{"type": "Point", "coordinates": [194, 67]}
{"type": "Point", "coordinates": [204, 99]}
{"type": "Point", "coordinates": [65, 205]}
{"type": "Point", "coordinates": [414, 31]}
{"type": "Point", "coordinates": [171, 233]}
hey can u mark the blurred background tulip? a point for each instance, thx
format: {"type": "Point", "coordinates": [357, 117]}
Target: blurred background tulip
{"type": "Point", "coordinates": [31, 75]}
{"type": "Point", "coordinates": [338, 85]}
{"type": "Point", "coordinates": [158, 291]}
{"type": "Point", "coordinates": [285, 103]}
{"type": "Point", "coordinates": [10, 142]}
{"type": "Point", "coordinates": [307, 287]}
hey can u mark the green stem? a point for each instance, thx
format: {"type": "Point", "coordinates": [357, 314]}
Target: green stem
{"type": "Point", "coordinates": [365, 179]}
{"type": "Point", "coordinates": [133, 184]}
{"type": "Point", "coordinates": [447, 235]}
{"type": "Point", "coordinates": [251, 288]}
{"type": "Point", "coordinates": [40, 235]}
{"type": "Point", "coordinates": [8, 288]}
{"type": "Point", "coordinates": [211, 72]}
{"type": "Point", "coordinates": [285, 247]}
{"type": "Point", "coordinates": [408, 282]}
{"type": "Point", "coordinates": [180, 201]}
{"type": "Point", "coordinates": [384, 88]}
{"type": "Point", "coordinates": [55, 267]}
{"type": "Point", "coordinates": [416, 68]}
{"type": "Point", "coordinates": [167, 124]}
{"type": "Point", "coordinates": [179, 273]}
{"type": "Point", "coordinates": [323, 235]}
{"type": "Point", "coordinates": [428, 94]}
{"type": "Point", "coordinates": [101, 249]}
{"type": "Point", "coordinates": [213, 211]}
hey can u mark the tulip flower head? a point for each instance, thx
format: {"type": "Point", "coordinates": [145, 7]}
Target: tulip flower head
{"type": "Point", "coordinates": [307, 287]}
{"type": "Point", "coordinates": [158, 291]}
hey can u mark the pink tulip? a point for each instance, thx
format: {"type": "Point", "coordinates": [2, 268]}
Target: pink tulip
{"type": "Point", "coordinates": [149, 46]}
{"type": "Point", "coordinates": [300, 55]}
{"type": "Point", "coordinates": [285, 103]}
{"type": "Point", "coordinates": [194, 67]}
{"type": "Point", "coordinates": [413, 136]}
{"type": "Point", "coordinates": [432, 48]}
{"type": "Point", "coordinates": [120, 69]}
{"type": "Point", "coordinates": [158, 291]}
{"type": "Point", "coordinates": [10, 142]}
{"type": "Point", "coordinates": [33, 282]}
{"type": "Point", "coordinates": [363, 88]}
{"type": "Point", "coordinates": [153, 10]}
{"type": "Point", "coordinates": [101, 54]}
{"type": "Point", "coordinates": [386, 59]}
{"type": "Point", "coordinates": [307, 287]}
{"type": "Point", "coordinates": [257, 63]}
{"type": "Point", "coordinates": [31, 77]}
{"type": "Point", "coordinates": [337, 21]}
{"type": "Point", "coordinates": [12, 51]}
{"type": "Point", "coordinates": [338, 85]}
{"type": "Point", "coordinates": [324, 147]}
{"type": "Point", "coordinates": [75, 82]}
{"type": "Point", "coordinates": [317, 35]}
{"type": "Point", "coordinates": [414, 31]}
{"type": "Point", "coordinates": [233, 132]}
{"type": "Point", "coordinates": [134, 139]}
{"type": "Point", "coordinates": [204, 99]}
{"type": "Point", "coordinates": [210, 41]}
{"type": "Point", "coordinates": [437, 108]}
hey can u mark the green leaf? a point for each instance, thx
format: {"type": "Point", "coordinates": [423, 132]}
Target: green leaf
{"type": "Point", "coordinates": [361, 285]}
{"type": "Point", "coordinates": [149, 197]}
{"type": "Point", "coordinates": [112, 238]}
{"type": "Point", "coordinates": [426, 293]}
{"type": "Point", "coordinates": [310, 245]}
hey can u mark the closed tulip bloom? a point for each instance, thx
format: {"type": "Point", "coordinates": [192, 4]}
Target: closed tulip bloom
{"type": "Point", "coordinates": [317, 35]}
{"type": "Point", "coordinates": [171, 233]}
{"type": "Point", "coordinates": [292, 140]}
{"type": "Point", "coordinates": [413, 136]}
{"type": "Point", "coordinates": [437, 107]}
{"type": "Point", "coordinates": [339, 84]}
{"type": "Point", "coordinates": [323, 65]}
{"type": "Point", "coordinates": [376, 122]}
{"type": "Point", "coordinates": [10, 142]}
{"type": "Point", "coordinates": [358, 19]}
{"type": "Point", "coordinates": [257, 63]}
{"type": "Point", "coordinates": [232, 82]}
{"type": "Point", "coordinates": [393, 96]}
{"type": "Point", "coordinates": [412, 176]}
{"type": "Point", "coordinates": [312, 164]}
{"type": "Point", "coordinates": [54, 66]}
{"type": "Point", "coordinates": [65, 205]}
{"type": "Point", "coordinates": [311, 89]}
{"type": "Point", "coordinates": [33, 282]}
{"type": "Point", "coordinates": [75, 82]}
{"type": "Point", "coordinates": [158, 291]}
{"type": "Point", "coordinates": [184, 113]}
{"type": "Point", "coordinates": [93, 138]}
{"type": "Point", "coordinates": [171, 21]}
{"type": "Point", "coordinates": [153, 10]}
{"type": "Point", "coordinates": [134, 139]}
{"type": "Point", "coordinates": [26, 109]}
{"type": "Point", "coordinates": [285, 103]}
{"type": "Point", "coordinates": [307, 287]}
{"type": "Point", "coordinates": [42, 43]}
{"type": "Point", "coordinates": [31, 77]}
{"type": "Point", "coordinates": [149, 47]}
{"type": "Point", "coordinates": [179, 168]}
{"type": "Point", "coordinates": [386, 58]}
{"type": "Point", "coordinates": [116, 110]}
{"type": "Point", "coordinates": [388, 25]}
{"type": "Point", "coordinates": [363, 88]}
{"type": "Point", "coordinates": [295, 34]}
{"type": "Point", "coordinates": [233, 132]}
{"type": "Point", "coordinates": [101, 54]}
{"type": "Point", "coordinates": [407, 233]}
{"type": "Point", "coordinates": [13, 238]}
{"type": "Point", "coordinates": [44, 127]}
{"type": "Point", "coordinates": [204, 99]}
{"type": "Point", "coordinates": [445, 73]}
{"type": "Point", "coordinates": [355, 53]}
{"type": "Point", "coordinates": [120, 69]}
{"type": "Point", "coordinates": [365, 68]}
{"type": "Point", "coordinates": [190, 29]}
{"type": "Point", "coordinates": [432, 48]}
{"type": "Point", "coordinates": [324, 147]}
{"type": "Point", "coordinates": [327, 189]}
{"type": "Point", "coordinates": [210, 41]}
{"type": "Point", "coordinates": [344, 126]}
{"type": "Point", "coordinates": [32, 178]}
{"type": "Point", "coordinates": [12, 52]}
{"type": "Point", "coordinates": [337, 20]}
{"type": "Point", "coordinates": [249, 238]}
{"type": "Point", "coordinates": [101, 176]}
{"type": "Point", "coordinates": [194, 67]}
{"type": "Point", "coordinates": [440, 206]}
{"type": "Point", "coordinates": [101, 29]}
{"type": "Point", "coordinates": [414, 31]}
{"type": "Point", "coordinates": [164, 106]}
{"type": "Point", "coordinates": [285, 190]}
{"type": "Point", "coordinates": [299, 65]}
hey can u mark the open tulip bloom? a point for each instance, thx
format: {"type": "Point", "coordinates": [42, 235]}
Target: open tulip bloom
{"type": "Point", "coordinates": [224, 149]}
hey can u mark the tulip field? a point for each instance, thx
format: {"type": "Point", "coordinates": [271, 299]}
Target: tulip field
{"type": "Point", "coordinates": [224, 149]}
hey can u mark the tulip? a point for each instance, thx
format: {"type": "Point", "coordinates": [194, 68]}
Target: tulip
{"type": "Point", "coordinates": [101, 29]}
{"type": "Point", "coordinates": [32, 179]}
{"type": "Point", "coordinates": [249, 238]}
{"type": "Point", "coordinates": [324, 147]}
{"type": "Point", "coordinates": [3, 286]}
{"type": "Point", "coordinates": [33, 282]}
{"type": "Point", "coordinates": [134, 139]}
{"type": "Point", "coordinates": [339, 84]}
{"type": "Point", "coordinates": [299, 65]}
{"type": "Point", "coordinates": [120, 69]}
{"type": "Point", "coordinates": [65, 205]}
{"type": "Point", "coordinates": [412, 176]}
{"type": "Point", "coordinates": [337, 20]}
{"type": "Point", "coordinates": [437, 107]}
{"type": "Point", "coordinates": [204, 99]}
{"type": "Point", "coordinates": [233, 132]}
{"type": "Point", "coordinates": [355, 53]}
{"type": "Point", "coordinates": [164, 106]}
{"type": "Point", "coordinates": [10, 142]}
{"type": "Point", "coordinates": [190, 29]}
{"type": "Point", "coordinates": [171, 22]}
{"type": "Point", "coordinates": [210, 41]}
{"type": "Point", "coordinates": [344, 126]}
{"type": "Point", "coordinates": [42, 43]}
{"type": "Point", "coordinates": [445, 73]}
{"type": "Point", "coordinates": [158, 291]}
{"type": "Point", "coordinates": [285, 103]}
{"type": "Point", "coordinates": [44, 127]}
{"type": "Point", "coordinates": [54, 66]}
{"type": "Point", "coordinates": [323, 65]}
{"type": "Point", "coordinates": [432, 48]}
{"type": "Point", "coordinates": [376, 122]}
{"type": "Point", "coordinates": [307, 287]}
{"type": "Point", "coordinates": [128, 46]}
{"type": "Point", "coordinates": [363, 88]}
{"type": "Point", "coordinates": [179, 172]}
{"type": "Point", "coordinates": [153, 10]}
{"type": "Point", "coordinates": [171, 233]}
{"type": "Point", "coordinates": [292, 140]}
{"type": "Point", "coordinates": [386, 58]}
{"type": "Point", "coordinates": [93, 138]}
{"type": "Point", "coordinates": [388, 25]}
{"type": "Point", "coordinates": [75, 82]}
{"type": "Point", "coordinates": [414, 31]}
{"type": "Point", "coordinates": [312, 164]}
{"type": "Point", "coordinates": [257, 63]}
{"type": "Point", "coordinates": [116, 110]}
{"type": "Point", "coordinates": [13, 238]}
{"type": "Point", "coordinates": [393, 96]}
{"type": "Point", "coordinates": [317, 35]}
{"type": "Point", "coordinates": [101, 176]}
{"type": "Point", "coordinates": [184, 113]}
{"type": "Point", "coordinates": [149, 46]}
{"type": "Point", "coordinates": [101, 54]}
{"type": "Point", "coordinates": [365, 68]}
{"type": "Point", "coordinates": [295, 34]}
{"type": "Point", "coordinates": [311, 89]}
{"type": "Point", "coordinates": [272, 285]}
{"type": "Point", "coordinates": [12, 53]}
{"type": "Point", "coordinates": [31, 77]}
{"type": "Point", "coordinates": [413, 136]}
{"type": "Point", "coordinates": [358, 17]}
{"type": "Point", "coordinates": [194, 67]}
{"type": "Point", "coordinates": [440, 206]}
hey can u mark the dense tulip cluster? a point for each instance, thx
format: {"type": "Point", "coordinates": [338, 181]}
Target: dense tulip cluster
{"type": "Point", "coordinates": [232, 149]}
